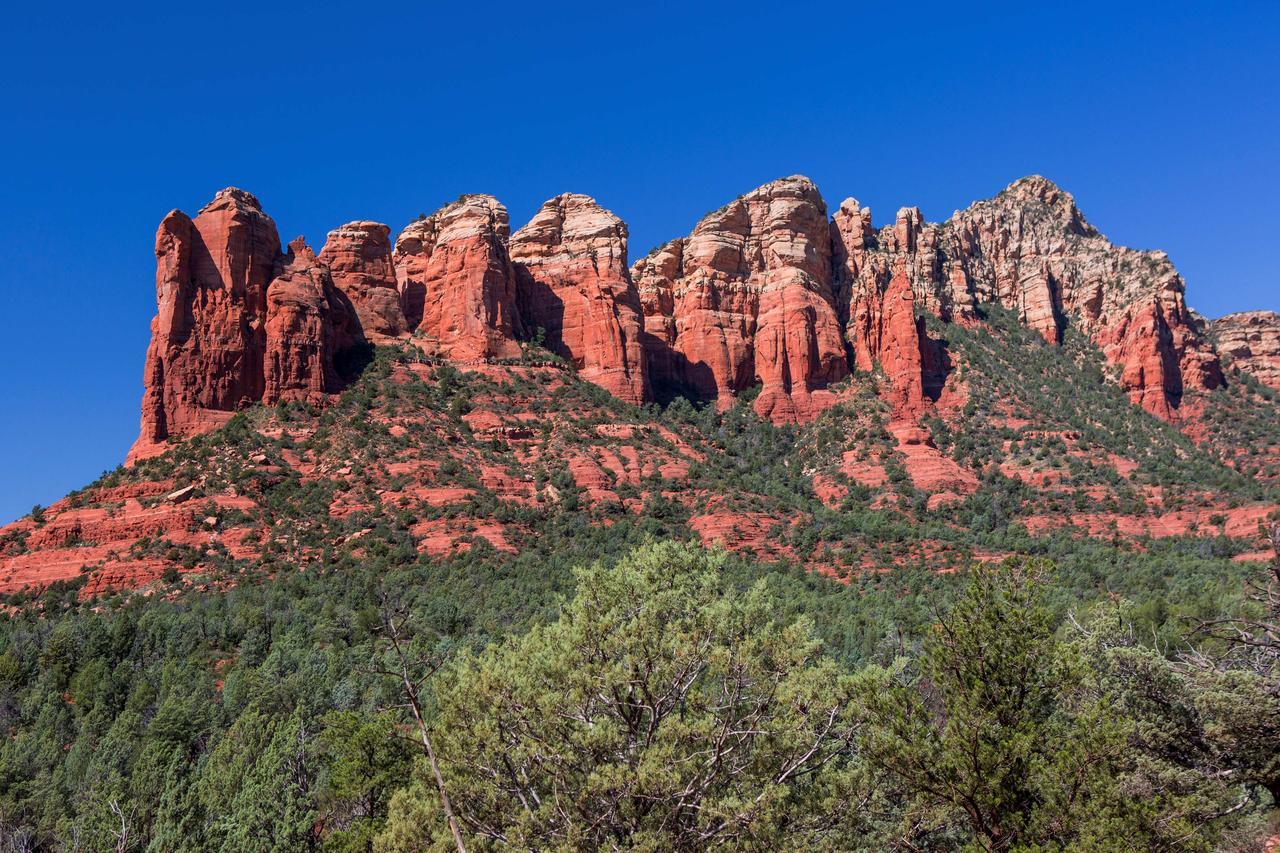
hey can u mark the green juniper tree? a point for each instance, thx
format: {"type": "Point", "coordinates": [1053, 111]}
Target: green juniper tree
{"type": "Point", "coordinates": [660, 711]}
{"type": "Point", "coordinates": [995, 736]}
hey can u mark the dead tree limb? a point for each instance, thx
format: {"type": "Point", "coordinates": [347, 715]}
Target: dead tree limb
{"type": "Point", "coordinates": [393, 629]}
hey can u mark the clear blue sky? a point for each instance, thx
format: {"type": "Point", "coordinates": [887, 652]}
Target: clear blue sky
{"type": "Point", "coordinates": [1163, 119]}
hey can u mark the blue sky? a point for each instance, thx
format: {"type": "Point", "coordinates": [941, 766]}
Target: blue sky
{"type": "Point", "coordinates": [1162, 119]}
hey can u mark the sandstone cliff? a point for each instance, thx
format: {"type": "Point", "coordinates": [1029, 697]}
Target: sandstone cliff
{"type": "Point", "coordinates": [1250, 341]}
{"type": "Point", "coordinates": [573, 283]}
{"type": "Point", "coordinates": [306, 318]}
{"type": "Point", "coordinates": [747, 298]}
{"type": "Point", "coordinates": [456, 281]}
{"type": "Point", "coordinates": [767, 291]}
{"type": "Point", "coordinates": [358, 256]}
{"type": "Point", "coordinates": [208, 338]}
{"type": "Point", "coordinates": [1030, 250]}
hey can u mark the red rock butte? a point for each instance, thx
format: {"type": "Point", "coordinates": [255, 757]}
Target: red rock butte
{"type": "Point", "coordinates": [768, 292]}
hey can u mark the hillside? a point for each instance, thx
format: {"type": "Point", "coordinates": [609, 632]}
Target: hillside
{"type": "Point", "coordinates": [978, 387]}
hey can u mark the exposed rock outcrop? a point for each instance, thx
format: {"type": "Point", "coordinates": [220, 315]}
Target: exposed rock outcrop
{"type": "Point", "coordinates": [655, 276]}
{"type": "Point", "coordinates": [1250, 341]}
{"type": "Point", "coordinates": [897, 340]}
{"type": "Point", "coordinates": [766, 291]}
{"type": "Point", "coordinates": [456, 283]}
{"type": "Point", "coordinates": [747, 299]}
{"type": "Point", "coordinates": [302, 335]}
{"type": "Point", "coordinates": [878, 303]}
{"type": "Point", "coordinates": [208, 338]}
{"type": "Point", "coordinates": [1030, 250]}
{"type": "Point", "coordinates": [358, 256]}
{"type": "Point", "coordinates": [573, 283]}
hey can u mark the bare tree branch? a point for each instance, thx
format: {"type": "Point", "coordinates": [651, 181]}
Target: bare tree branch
{"type": "Point", "coordinates": [393, 620]}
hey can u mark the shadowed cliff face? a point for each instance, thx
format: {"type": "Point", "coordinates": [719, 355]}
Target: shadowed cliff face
{"type": "Point", "coordinates": [767, 292]}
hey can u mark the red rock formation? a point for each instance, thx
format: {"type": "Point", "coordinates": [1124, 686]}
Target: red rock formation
{"type": "Point", "coordinates": [209, 334]}
{"type": "Point", "coordinates": [1250, 341]}
{"type": "Point", "coordinates": [358, 256]}
{"type": "Point", "coordinates": [1030, 250]}
{"type": "Point", "coordinates": [900, 341]}
{"type": "Point", "coordinates": [1141, 344]}
{"type": "Point", "coordinates": [861, 276]}
{"type": "Point", "coordinates": [764, 291]}
{"type": "Point", "coordinates": [655, 276]}
{"type": "Point", "coordinates": [456, 282]}
{"type": "Point", "coordinates": [571, 267]}
{"type": "Point", "coordinates": [750, 301]}
{"type": "Point", "coordinates": [301, 338]}
{"type": "Point", "coordinates": [875, 286]}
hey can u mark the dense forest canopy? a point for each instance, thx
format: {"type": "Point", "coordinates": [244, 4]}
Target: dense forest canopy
{"type": "Point", "coordinates": [679, 698]}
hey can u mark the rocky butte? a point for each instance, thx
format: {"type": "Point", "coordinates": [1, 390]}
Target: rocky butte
{"type": "Point", "coordinates": [945, 382]}
{"type": "Point", "coordinates": [771, 291]}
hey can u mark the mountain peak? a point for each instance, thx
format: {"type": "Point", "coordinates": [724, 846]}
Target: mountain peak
{"type": "Point", "coordinates": [234, 197]}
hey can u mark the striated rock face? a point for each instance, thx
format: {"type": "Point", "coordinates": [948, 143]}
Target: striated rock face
{"type": "Point", "coordinates": [1250, 341]}
{"type": "Point", "coordinates": [302, 335]}
{"type": "Point", "coordinates": [765, 291]}
{"type": "Point", "coordinates": [747, 298]}
{"type": "Point", "coordinates": [573, 283]}
{"type": "Point", "coordinates": [208, 338]}
{"type": "Point", "coordinates": [655, 276]}
{"type": "Point", "coordinates": [1030, 250]}
{"type": "Point", "coordinates": [895, 339]}
{"type": "Point", "coordinates": [237, 322]}
{"type": "Point", "coordinates": [874, 289]}
{"type": "Point", "coordinates": [456, 282]}
{"type": "Point", "coordinates": [358, 256]}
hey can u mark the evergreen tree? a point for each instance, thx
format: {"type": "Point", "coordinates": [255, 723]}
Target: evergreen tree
{"type": "Point", "coordinates": [996, 731]}
{"type": "Point", "coordinates": [660, 711]}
